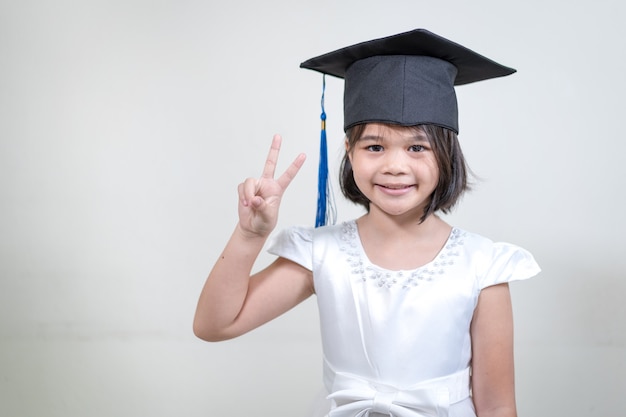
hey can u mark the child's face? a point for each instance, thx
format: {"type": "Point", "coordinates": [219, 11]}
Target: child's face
{"type": "Point", "coordinates": [395, 168]}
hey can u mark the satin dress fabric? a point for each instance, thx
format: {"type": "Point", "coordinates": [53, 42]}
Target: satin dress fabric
{"type": "Point", "coordinates": [397, 343]}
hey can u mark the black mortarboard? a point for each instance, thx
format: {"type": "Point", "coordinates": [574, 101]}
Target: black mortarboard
{"type": "Point", "coordinates": [405, 79]}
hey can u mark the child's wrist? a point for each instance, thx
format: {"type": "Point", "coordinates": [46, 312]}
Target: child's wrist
{"type": "Point", "coordinates": [250, 235]}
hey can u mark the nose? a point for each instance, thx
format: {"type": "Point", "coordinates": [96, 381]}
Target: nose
{"type": "Point", "coordinates": [395, 162]}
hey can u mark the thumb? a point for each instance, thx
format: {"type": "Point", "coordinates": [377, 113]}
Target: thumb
{"type": "Point", "coordinates": [257, 202]}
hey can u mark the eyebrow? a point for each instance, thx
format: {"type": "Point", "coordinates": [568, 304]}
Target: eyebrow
{"type": "Point", "coordinates": [419, 137]}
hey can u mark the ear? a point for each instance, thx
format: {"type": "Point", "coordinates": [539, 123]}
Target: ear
{"type": "Point", "coordinates": [347, 145]}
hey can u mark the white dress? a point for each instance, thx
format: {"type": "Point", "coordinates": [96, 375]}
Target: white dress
{"type": "Point", "coordinates": [397, 343]}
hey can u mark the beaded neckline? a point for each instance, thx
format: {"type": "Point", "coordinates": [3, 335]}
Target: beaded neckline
{"type": "Point", "coordinates": [366, 271]}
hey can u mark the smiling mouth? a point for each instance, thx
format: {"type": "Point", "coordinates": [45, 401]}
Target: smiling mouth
{"type": "Point", "coordinates": [395, 186]}
{"type": "Point", "coordinates": [396, 189]}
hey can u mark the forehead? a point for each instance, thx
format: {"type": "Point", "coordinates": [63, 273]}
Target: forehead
{"type": "Point", "coordinates": [386, 131]}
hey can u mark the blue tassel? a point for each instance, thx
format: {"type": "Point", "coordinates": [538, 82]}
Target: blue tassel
{"type": "Point", "coordinates": [324, 205]}
{"type": "Point", "coordinates": [322, 178]}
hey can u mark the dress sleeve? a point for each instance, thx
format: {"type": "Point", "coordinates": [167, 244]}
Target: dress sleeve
{"type": "Point", "coordinates": [508, 263]}
{"type": "Point", "coordinates": [295, 244]}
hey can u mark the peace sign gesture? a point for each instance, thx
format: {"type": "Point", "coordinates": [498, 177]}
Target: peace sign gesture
{"type": "Point", "coordinates": [259, 198]}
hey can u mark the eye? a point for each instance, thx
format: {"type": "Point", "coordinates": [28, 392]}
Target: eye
{"type": "Point", "coordinates": [374, 148]}
{"type": "Point", "coordinates": [417, 148]}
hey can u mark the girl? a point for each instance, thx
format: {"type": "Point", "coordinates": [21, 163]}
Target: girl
{"type": "Point", "coordinates": [415, 314]}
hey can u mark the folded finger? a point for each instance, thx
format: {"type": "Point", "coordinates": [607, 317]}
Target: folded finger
{"type": "Point", "coordinates": [247, 190]}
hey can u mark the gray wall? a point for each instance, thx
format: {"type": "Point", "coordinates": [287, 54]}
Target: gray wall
{"type": "Point", "coordinates": [125, 127]}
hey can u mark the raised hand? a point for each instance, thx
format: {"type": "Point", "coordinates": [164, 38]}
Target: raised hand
{"type": "Point", "coordinates": [259, 198]}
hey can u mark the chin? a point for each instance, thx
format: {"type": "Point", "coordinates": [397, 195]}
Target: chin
{"type": "Point", "coordinates": [403, 212]}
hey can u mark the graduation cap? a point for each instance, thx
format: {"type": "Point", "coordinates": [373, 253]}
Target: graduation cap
{"type": "Point", "coordinates": [406, 79]}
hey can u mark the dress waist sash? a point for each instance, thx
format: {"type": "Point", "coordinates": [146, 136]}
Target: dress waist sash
{"type": "Point", "coordinates": [354, 396]}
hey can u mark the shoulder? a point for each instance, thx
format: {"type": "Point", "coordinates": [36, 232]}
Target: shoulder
{"type": "Point", "coordinates": [335, 231]}
{"type": "Point", "coordinates": [293, 243]}
{"type": "Point", "coordinates": [497, 262]}
{"type": "Point", "coordinates": [480, 245]}
{"type": "Point", "coordinates": [298, 243]}
{"type": "Point", "coordinates": [307, 234]}
{"type": "Point", "coordinates": [293, 234]}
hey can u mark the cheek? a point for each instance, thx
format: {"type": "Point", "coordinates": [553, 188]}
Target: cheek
{"type": "Point", "coordinates": [435, 171]}
{"type": "Point", "coordinates": [360, 172]}
{"type": "Point", "coordinates": [432, 168]}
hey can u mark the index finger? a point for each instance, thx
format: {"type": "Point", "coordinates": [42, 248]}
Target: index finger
{"type": "Point", "coordinates": [272, 158]}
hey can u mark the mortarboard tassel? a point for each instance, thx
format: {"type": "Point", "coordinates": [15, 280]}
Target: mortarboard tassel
{"type": "Point", "coordinates": [325, 204]}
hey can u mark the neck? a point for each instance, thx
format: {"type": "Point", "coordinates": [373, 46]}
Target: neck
{"type": "Point", "coordinates": [386, 226]}
{"type": "Point", "coordinates": [396, 243]}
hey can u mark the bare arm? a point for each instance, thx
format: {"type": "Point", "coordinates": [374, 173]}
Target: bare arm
{"type": "Point", "coordinates": [232, 301]}
{"type": "Point", "coordinates": [493, 379]}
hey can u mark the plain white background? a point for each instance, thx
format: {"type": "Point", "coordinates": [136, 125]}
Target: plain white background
{"type": "Point", "coordinates": [125, 127]}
